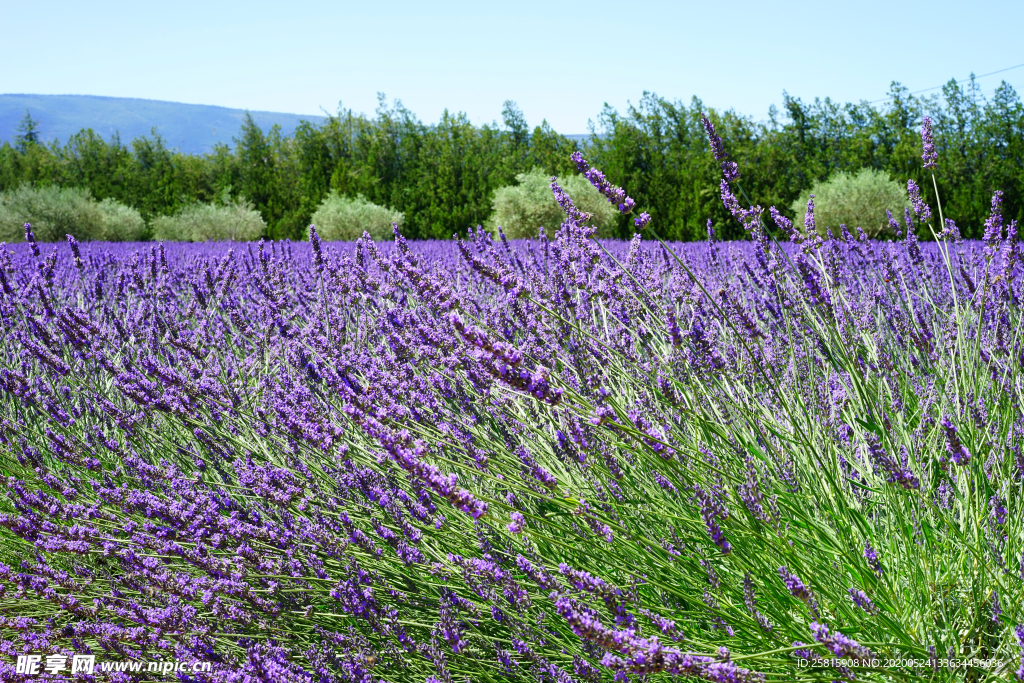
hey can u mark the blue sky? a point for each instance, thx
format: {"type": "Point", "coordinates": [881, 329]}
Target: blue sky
{"type": "Point", "coordinates": [558, 60]}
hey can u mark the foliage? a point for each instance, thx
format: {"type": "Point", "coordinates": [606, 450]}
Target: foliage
{"type": "Point", "coordinates": [28, 132]}
{"type": "Point", "coordinates": [443, 177]}
{"type": "Point", "coordinates": [855, 200]}
{"type": "Point", "coordinates": [237, 221]}
{"type": "Point", "coordinates": [523, 208]}
{"type": "Point", "coordinates": [53, 212]}
{"type": "Point", "coordinates": [346, 218]}
{"type": "Point", "coordinates": [120, 223]}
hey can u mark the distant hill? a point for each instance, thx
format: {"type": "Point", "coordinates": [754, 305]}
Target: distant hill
{"type": "Point", "coordinates": [192, 128]}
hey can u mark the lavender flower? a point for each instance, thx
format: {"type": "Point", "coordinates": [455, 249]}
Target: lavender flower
{"type": "Point", "coordinates": [809, 225]}
{"type": "Point", "coordinates": [712, 511]}
{"type": "Point", "coordinates": [929, 155]}
{"type": "Point", "coordinates": [518, 523]}
{"type": "Point", "coordinates": [748, 217]}
{"type": "Point", "coordinates": [950, 231]}
{"type": "Point", "coordinates": [616, 195]}
{"type": "Point", "coordinates": [895, 472]}
{"type": "Point", "coordinates": [314, 241]}
{"type": "Point", "coordinates": [786, 225]}
{"type": "Point", "coordinates": [861, 599]}
{"type": "Point", "coordinates": [957, 451]}
{"type": "Point", "coordinates": [894, 224]}
{"type": "Point", "coordinates": [795, 586]}
{"type": "Point", "coordinates": [871, 555]}
{"type": "Point", "coordinates": [730, 171]}
{"type": "Point", "coordinates": [840, 645]}
{"type": "Point", "coordinates": [920, 207]}
{"type": "Point", "coordinates": [751, 602]}
{"type": "Point", "coordinates": [31, 239]}
{"type": "Point", "coordinates": [997, 509]}
{"type": "Point", "coordinates": [565, 201]}
{"type": "Point", "coordinates": [75, 250]}
{"type": "Point", "coordinates": [994, 224]}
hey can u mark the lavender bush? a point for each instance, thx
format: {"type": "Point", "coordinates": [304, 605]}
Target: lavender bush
{"type": "Point", "coordinates": [554, 459]}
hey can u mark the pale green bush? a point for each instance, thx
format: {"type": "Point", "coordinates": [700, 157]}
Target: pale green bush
{"type": "Point", "coordinates": [238, 221]}
{"type": "Point", "coordinates": [53, 212]}
{"type": "Point", "coordinates": [345, 218]}
{"type": "Point", "coordinates": [854, 200]}
{"type": "Point", "coordinates": [57, 211]}
{"type": "Point", "coordinates": [121, 223]}
{"type": "Point", "coordinates": [522, 209]}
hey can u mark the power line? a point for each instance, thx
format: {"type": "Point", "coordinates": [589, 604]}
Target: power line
{"type": "Point", "coordinates": [991, 73]}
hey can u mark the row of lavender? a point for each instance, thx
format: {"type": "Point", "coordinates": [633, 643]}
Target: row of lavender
{"type": "Point", "coordinates": [551, 460]}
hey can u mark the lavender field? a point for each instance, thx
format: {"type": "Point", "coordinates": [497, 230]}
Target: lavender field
{"type": "Point", "coordinates": [558, 459]}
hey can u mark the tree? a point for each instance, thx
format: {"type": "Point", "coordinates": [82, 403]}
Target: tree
{"type": "Point", "coordinates": [28, 132]}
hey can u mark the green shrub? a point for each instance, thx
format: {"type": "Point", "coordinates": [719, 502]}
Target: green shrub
{"type": "Point", "coordinates": [854, 200]}
{"type": "Point", "coordinates": [57, 211]}
{"type": "Point", "coordinates": [238, 221]}
{"type": "Point", "coordinates": [521, 210]}
{"type": "Point", "coordinates": [121, 223]}
{"type": "Point", "coordinates": [53, 212]}
{"type": "Point", "coordinates": [345, 218]}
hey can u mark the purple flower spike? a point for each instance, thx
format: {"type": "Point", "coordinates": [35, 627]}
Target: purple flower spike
{"type": "Point", "coordinates": [30, 237]}
{"type": "Point", "coordinates": [748, 217]}
{"type": "Point", "coordinates": [895, 472]}
{"type": "Point", "coordinates": [893, 224]}
{"type": "Point", "coordinates": [730, 171]}
{"type": "Point", "coordinates": [871, 555]}
{"type": "Point", "coordinates": [840, 645]}
{"type": "Point", "coordinates": [957, 451]}
{"type": "Point", "coordinates": [949, 231]}
{"type": "Point", "coordinates": [616, 195]}
{"type": "Point", "coordinates": [997, 507]}
{"type": "Point", "coordinates": [712, 510]}
{"type": "Point", "coordinates": [575, 215]}
{"type": "Point", "coordinates": [794, 585]}
{"type": "Point", "coordinates": [920, 207]}
{"type": "Point", "coordinates": [809, 225]}
{"type": "Point", "coordinates": [314, 241]}
{"type": "Point", "coordinates": [518, 523]}
{"type": "Point", "coordinates": [930, 156]}
{"type": "Point", "coordinates": [75, 250]}
{"type": "Point", "coordinates": [994, 224]}
{"type": "Point", "coordinates": [861, 599]}
{"type": "Point", "coordinates": [642, 220]}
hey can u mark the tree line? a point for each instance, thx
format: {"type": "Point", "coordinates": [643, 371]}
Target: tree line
{"type": "Point", "coordinates": [443, 176]}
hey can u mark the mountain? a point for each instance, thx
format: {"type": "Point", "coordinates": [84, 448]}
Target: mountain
{"type": "Point", "coordinates": [192, 128]}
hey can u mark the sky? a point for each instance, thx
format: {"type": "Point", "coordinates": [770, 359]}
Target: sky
{"type": "Point", "coordinates": [559, 61]}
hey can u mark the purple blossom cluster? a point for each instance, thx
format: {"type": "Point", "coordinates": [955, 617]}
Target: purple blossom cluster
{"type": "Point", "coordinates": [838, 644]}
{"type": "Point", "coordinates": [730, 170]}
{"type": "Point", "coordinates": [958, 453]}
{"type": "Point", "coordinates": [921, 209]}
{"type": "Point", "coordinates": [928, 155]}
{"type": "Point", "coordinates": [615, 195]}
